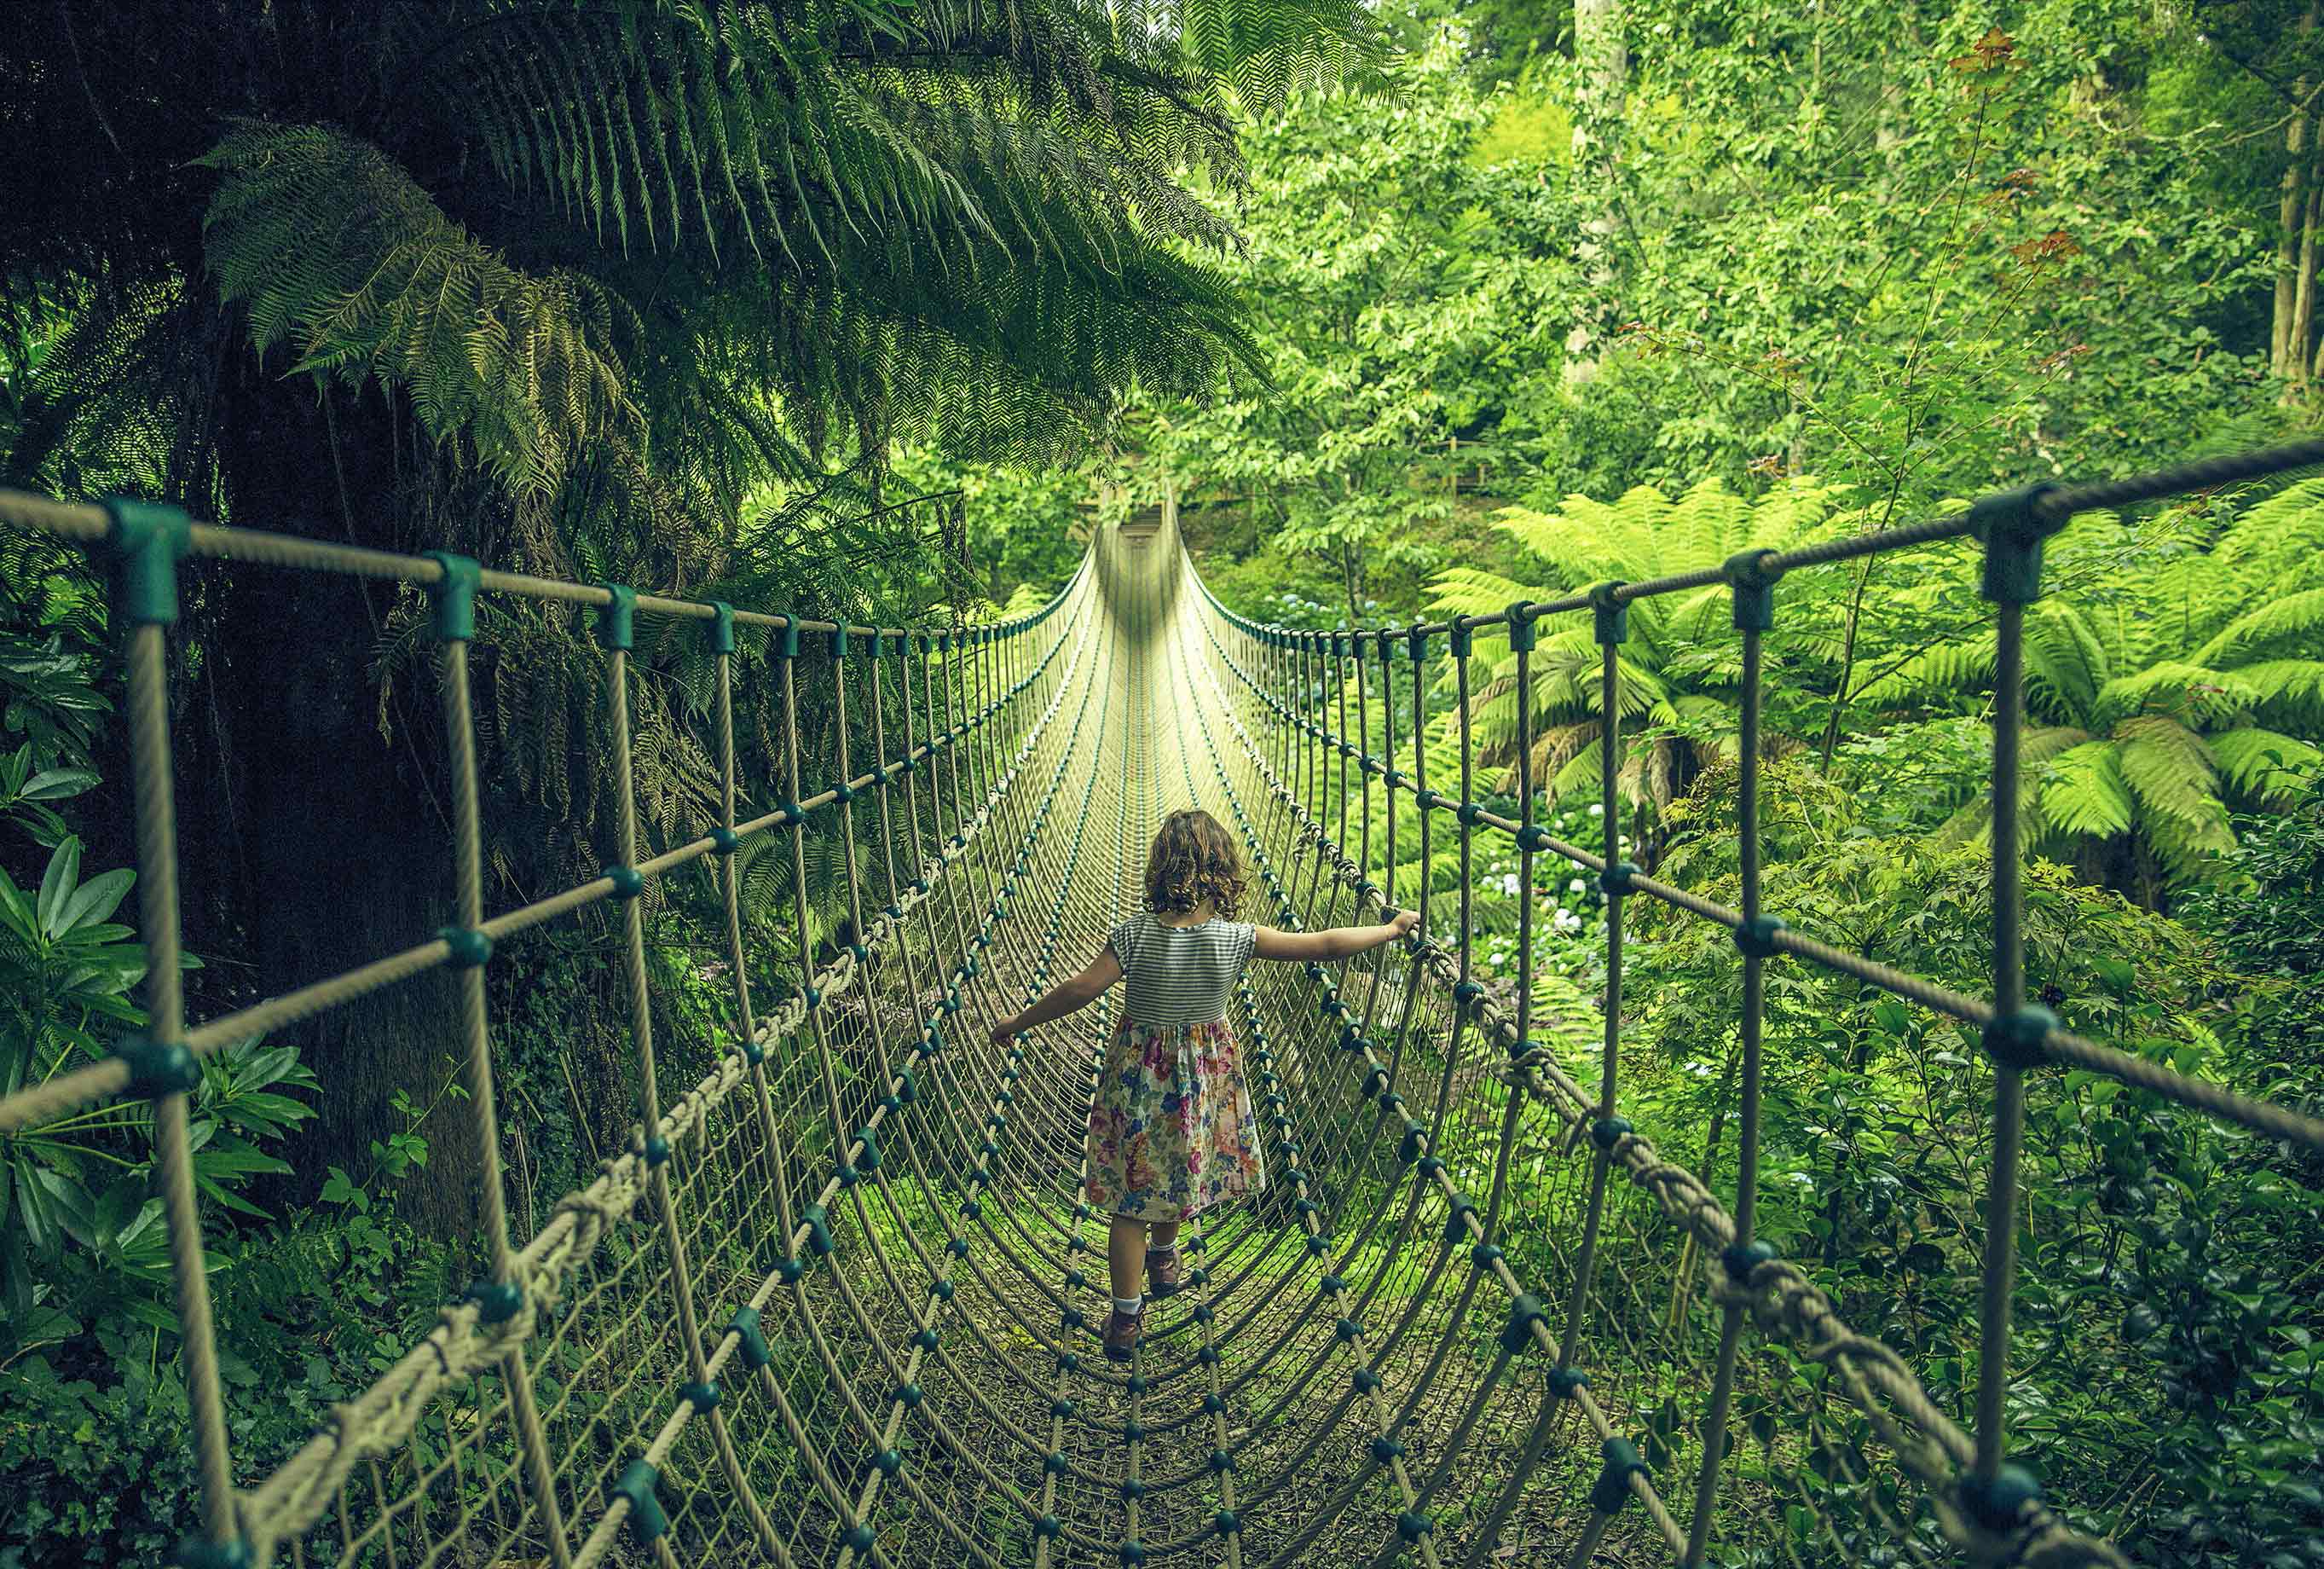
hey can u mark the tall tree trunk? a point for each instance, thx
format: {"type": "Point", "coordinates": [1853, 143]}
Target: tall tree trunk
{"type": "Point", "coordinates": [2289, 214]}
{"type": "Point", "coordinates": [2301, 336]}
{"type": "Point", "coordinates": [1605, 61]}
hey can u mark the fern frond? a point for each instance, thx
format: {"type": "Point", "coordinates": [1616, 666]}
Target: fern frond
{"type": "Point", "coordinates": [2086, 792]}
{"type": "Point", "coordinates": [2295, 619]}
{"type": "Point", "coordinates": [331, 246]}
{"type": "Point", "coordinates": [2265, 764]}
{"type": "Point", "coordinates": [2189, 694]}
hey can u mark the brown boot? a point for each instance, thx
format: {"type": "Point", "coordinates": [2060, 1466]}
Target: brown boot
{"type": "Point", "coordinates": [1162, 1278]}
{"type": "Point", "coordinates": [1121, 1334]}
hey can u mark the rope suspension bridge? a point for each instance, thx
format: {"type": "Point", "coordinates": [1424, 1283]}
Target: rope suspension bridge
{"type": "Point", "coordinates": [837, 1301]}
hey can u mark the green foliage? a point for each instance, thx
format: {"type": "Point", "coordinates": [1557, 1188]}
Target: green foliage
{"type": "Point", "coordinates": [2191, 680]}
{"type": "Point", "coordinates": [1873, 1117]}
{"type": "Point", "coordinates": [1678, 671]}
{"type": "Point", "coordinates": [334, 249]}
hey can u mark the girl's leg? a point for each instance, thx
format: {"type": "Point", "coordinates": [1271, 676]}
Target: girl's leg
{"type": "Point", "coordinates": [1163, 1276]}
{"type": "Point", "coordinates": [1125, 1250]}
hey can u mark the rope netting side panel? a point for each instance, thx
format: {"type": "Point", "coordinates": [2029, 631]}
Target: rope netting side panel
{"type": "Point", "coordinates": [1665, 1319]}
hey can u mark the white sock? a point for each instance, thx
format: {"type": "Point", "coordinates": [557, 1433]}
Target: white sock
{"type": "Point", "coordinates": [1129, 1307]}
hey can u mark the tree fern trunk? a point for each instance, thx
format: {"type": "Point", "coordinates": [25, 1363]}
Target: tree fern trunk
{"type": "Point", "coordinates": [320, 846]}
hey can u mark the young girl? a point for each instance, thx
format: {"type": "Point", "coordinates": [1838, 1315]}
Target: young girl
{"type": "Point", "coordinates": [1171, 1128]}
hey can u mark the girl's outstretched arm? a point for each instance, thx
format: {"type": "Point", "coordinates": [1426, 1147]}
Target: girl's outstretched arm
{"type": "Point", "coordinates": [1065, 997]}
{"type": "Point", "coordinates": [1343, 941]}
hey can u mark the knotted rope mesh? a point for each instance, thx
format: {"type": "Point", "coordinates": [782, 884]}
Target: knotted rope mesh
{"type": "Point", "coordinates": [837, 1300]}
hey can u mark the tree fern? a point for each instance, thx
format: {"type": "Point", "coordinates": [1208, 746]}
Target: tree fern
{"type": "Point", "coordinates": [332, 246]}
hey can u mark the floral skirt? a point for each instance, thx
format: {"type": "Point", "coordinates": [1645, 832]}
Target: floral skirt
{"type": "Point", "coordinates": [1171, 1128]}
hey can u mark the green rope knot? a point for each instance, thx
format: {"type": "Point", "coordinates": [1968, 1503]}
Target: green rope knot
{"type": "Point", "coordinates": [452, 598]}
{"type": "Point", "coordinates": [1330, 1283]}
{"type": "Point", "coordinates": [817, 1221]}
{"type": "Point", "coordinates": [1132, 1552]}
{"type": "Point", "coordinates": [1427, 798]}
{"type": "Point", "coordinates": [1523, 630]}
{"type": "Point", "coordinates": [1469, 813]}
{"type": "Point", "coordinates": [497, 1301]}
{"type": "Point", "coordinates": [722, 627]}
{"type": "Point", "coordinates": [656, 1152]}
{"type": "Point", "coordinates": [1413, 1525]}
{"type": "Point", "coordinates": [909, 1396]}
{"type": "Point", "coordinates": [1525, 1310]}
{"type": "Point", "coordinates": [148, 540]}
{"type": "Point", "coordinates": [1456, 1223]}
{"type": "Point", "coordinates": [1739, 1259]}
{"type": "Point", "coordinates": [1227, 1521]}
{"type": "Point", "coordinates": [2014, 1040]}
{"type": "Point", "coordinates": [859, 1536]}
{"type": "Point", "coordinates": [1610, 615]}
{"type": "Point", "coordinates": [1533, 838]}
{"type": "Point", "coordinates": [870, 1160]}
{"type": "Point", "coordinates": [1999, 1502]}
{"type": "Point", "coordinates": [1469, 993]}
{"type": "Point", "coordinates": [752, 1348]}
{"type": "Point", "coordinates": [2012, 526]}
{"type": "Point", "coordinates": [472, 949]}
{"type": "Point", "coordinates": [1385, 1449]}
{"type": "Point", "coordinates": [887, 1462]}
{"type": "Point", "coordinates": [158, 1067]}
{"type": "Point", "coordinates": [1415, 1133]}
{"type": "Point", "coordinates": [1131, 1488]}
{"type": "Point", "coordinates": [1363, 1380]}
{"type": "Point", "coordinates": [792, 1270]}
{"type": "Point", "coordinates": [1613, 1486]}
{"type": "Point", "coordinates": [1053, 1462]}
{"type": "Point", "coordinates": [1375, 1082]}
{"type": "Point", "coordinates": [705, 1396]}
{"type": "Point", "coordinates": [647, 1522]}
{"type": "Point", "coordinates": [1607, 1131]}
{"type": "Point", "coordinates": [617, 629]}
{"type": "Point", "coordinates": [1565, 1383]}
{"type": "Point", "coordinates": [628, 883]}
{"type": "Point", "coordinates": [1348, 1329]}
{"type": "Point", "coordinates": [1048, 1527]}
{"type": "Point", "coordinates": [787, 647]}
{"type": "Point", "coordinates": [724, 841]}
{"type": "Point", "coordinates": [754, 1053]}
{"type": "Point", "coordinates": [1461, 637]}
{"type": "Point", "coordinates": [1753, 574]}
{"type": "Point", "coordinates": [1755, 937]}
{"type": "Point", "coordinates": [1221, 1462]}
{"type": "Point", "coordinates": [1619, 878]}
{"type": "Point", "coordinates": [194, 1553]}
{"type": "Point", "coordinates": [941, 1288]}
{"type": "Point", "coordinates": [838, 642]}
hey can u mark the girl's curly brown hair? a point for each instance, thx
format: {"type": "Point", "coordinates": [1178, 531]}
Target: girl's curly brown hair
{"type": "Point", "coordinates": [1192, 863]}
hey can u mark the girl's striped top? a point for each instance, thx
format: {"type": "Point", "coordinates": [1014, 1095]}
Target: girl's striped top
{"type": "Point", "coordinates": [1175, 976]}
